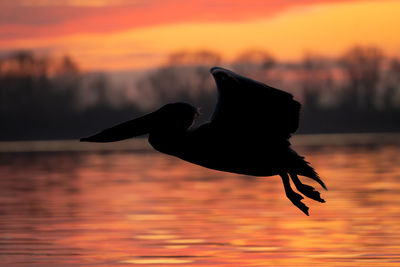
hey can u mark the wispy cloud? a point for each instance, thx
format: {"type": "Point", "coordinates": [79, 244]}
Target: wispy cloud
{"type": "Point", "coordinates": [38, 18]}
{"type": "Point", "coordinates": [77, 3]}
{"type": "Point", "coordinates": [99, 30]}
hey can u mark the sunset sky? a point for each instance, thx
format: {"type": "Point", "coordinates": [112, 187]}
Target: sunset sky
{"type": "Point", "coordinates": [135, 34]}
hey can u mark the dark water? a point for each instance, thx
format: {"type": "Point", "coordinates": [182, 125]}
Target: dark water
{"type": "Point", "coordinates": [63, 205]}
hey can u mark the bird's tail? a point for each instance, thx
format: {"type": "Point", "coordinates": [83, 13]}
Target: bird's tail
{"type": "Point", "coordinates": [302, 167]}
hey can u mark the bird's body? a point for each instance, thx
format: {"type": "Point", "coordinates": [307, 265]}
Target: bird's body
{"type": "Point", "coordinates": [207, 147]}
{"type": "Point", "coordinates": [248, 133]}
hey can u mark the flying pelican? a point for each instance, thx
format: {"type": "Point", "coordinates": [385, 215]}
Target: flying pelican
{"type": "Point", "coordinates": [248, 133]}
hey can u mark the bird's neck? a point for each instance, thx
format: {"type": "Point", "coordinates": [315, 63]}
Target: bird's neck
{"type": "Point", "coordinates": [168, 143]}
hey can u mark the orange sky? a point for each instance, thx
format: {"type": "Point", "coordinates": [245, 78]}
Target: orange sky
{"type": "Point", "coordinates": [128, 34]}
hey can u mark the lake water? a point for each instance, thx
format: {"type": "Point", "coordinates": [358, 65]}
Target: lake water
{"type": "Point", "coordinates": [73, 204]}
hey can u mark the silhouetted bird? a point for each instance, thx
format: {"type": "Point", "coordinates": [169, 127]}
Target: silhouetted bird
{"type": "Point", "coordinates": [248, 133]}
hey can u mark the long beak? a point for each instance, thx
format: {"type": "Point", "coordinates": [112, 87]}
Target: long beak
{"type": "Point", "coordinates": [132, 128]}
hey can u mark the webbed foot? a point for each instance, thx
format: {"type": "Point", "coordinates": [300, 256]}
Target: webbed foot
{"type": "Point", "coordinates": [306, 190]}
{"type": "Point", "coordinates": [296, 200]}
{"type": "Point", "coordinates": [293, 196]}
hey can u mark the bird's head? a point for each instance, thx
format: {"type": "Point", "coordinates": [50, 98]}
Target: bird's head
{"type": "Point", "coordinates": [174, 117]}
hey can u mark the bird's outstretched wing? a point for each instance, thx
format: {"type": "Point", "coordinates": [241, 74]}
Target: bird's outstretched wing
{"type": "Point", "coordinates": [247, 108]}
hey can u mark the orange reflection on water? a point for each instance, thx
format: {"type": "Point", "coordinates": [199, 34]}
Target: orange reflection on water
{"type": "Point", "coordinates": [148, 209]}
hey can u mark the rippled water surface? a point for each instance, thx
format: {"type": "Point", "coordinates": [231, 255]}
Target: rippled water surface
{"type": "Point", "coordinates": [115, 207]}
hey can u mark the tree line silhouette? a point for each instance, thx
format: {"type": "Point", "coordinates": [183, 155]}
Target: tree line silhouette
{"type": "Point", "coordinates": [44, 97]}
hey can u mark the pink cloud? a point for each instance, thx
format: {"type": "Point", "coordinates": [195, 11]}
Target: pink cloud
{"type": "Point", "coordinates": [20, 19]}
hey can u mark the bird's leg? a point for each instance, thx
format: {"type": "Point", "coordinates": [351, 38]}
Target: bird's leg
{"type": "Point", "coordinates": [293, 196]}
{"type": "Point", "coordinates": [306, 190]}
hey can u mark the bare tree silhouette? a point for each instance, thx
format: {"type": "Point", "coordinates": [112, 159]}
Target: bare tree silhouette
{"type": "Point", "coordinates": [362, 67]}
{"type": "Point", "coordinates": [255, 62]}
{"type": "Point", "coordinates": [50, 97]}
